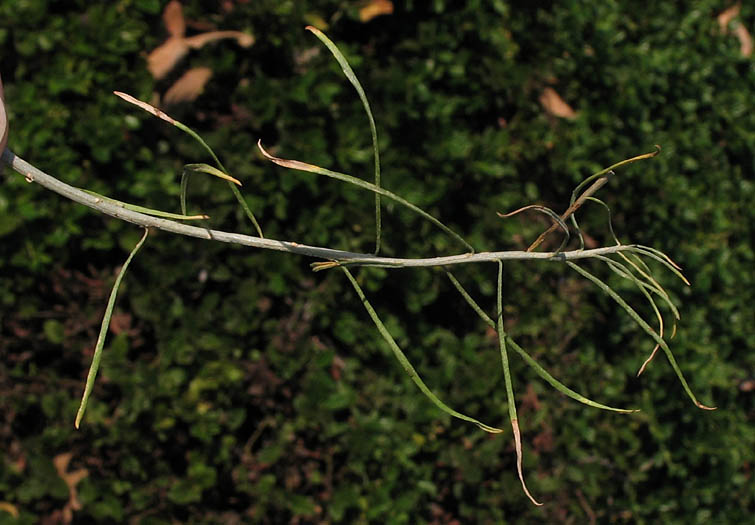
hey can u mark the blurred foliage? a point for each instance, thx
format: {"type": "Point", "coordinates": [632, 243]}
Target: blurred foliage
{"type": "Point", "coordinates": [239, 387]}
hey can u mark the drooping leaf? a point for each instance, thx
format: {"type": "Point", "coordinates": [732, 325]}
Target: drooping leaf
{"type": "Point", "coordinates": [509, 384]}
{"type": "Point", "coordinates": [542, 372]}
{"type": "Point", "coordinates": [642, 324]}
{"type": "Point", "coordinates": [407, 366]}
{"type": "Point", "coordinates": [97, 357]}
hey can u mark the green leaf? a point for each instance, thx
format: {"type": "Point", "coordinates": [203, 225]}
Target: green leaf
{"type": "Point", "coordinates": [373, 130]}
{"type": "Point", "coordinates": [103, 331]}
{"type": "Point", "coordinates": [407, 365]}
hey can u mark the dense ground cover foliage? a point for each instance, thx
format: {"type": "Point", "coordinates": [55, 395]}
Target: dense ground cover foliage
{"type": "Point", "coordinates": [239, 386]}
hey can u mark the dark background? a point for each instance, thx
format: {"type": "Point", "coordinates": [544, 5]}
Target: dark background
{"type": "Point", "coordinates": [238, 386]}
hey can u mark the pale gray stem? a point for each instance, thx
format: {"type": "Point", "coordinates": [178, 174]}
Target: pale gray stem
{"type": "Point", "coordinates": [33, 174]}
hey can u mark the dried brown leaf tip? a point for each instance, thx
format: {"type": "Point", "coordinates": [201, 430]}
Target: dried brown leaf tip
{"type": "Point", "coordinates": [286, 163]}
{"type": "Point", "coordinates": [189, 86]}
{"type": "Point", "coordinates": [728, 24]}
{"type": "Point", "coordinates": [518, 447]}
{"type": "Point", "coordinates": [555, 105]}
{"type": "Point", "coordinates": [375, 8]}
{"type": "Point", "coordinates": [146, 107]}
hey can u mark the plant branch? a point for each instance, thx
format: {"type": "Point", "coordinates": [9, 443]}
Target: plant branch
{"type": "Point", "coordinates": [602, 178]}
{"type": "Point", "coordinates": [33, 174]}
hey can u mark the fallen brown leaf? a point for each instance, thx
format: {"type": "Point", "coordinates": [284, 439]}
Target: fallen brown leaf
{"type": "Point", "coordinates": [197, 41]}
{"type": "Point", "coordinates": [725, 19]}
{"type": "Point", "coordinates": [727, 16]}
{"type": "Point", "coordinates": [745, 40]}
{"type": "Point", "coordinates": [555, 105]}
{"type": "Point", "coordinates": [71, 479]}
{"type": "Point", "coordinates": [173, 18]}
{"type": "Point", "coordinates": [164, 57]}
{"type": "Point", "coordinates": [375, 8]}
{"type": "Point", "coordinates": [9, 508]}
{"type": "Point", "coordinates": [189, 86]}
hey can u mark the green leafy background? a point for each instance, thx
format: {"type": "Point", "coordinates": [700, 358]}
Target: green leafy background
{"type": "Point", "coordinates": [237, 386]}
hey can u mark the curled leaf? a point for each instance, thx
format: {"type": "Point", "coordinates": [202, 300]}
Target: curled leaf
{"type": "Point", "coordinates": [642, 324]}
{"type": "Point", "coordinates": [725, 19]}
{"type": "Point", "coordinates": [547, 211]}
{"type": "Point", "coordinates": [518, 447]}
{"type": "Point", "coordinates": [542, 372]}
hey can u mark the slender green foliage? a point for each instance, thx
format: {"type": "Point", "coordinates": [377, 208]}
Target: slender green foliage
{"type": "Point", "coordinates": [311, 168]}
{"type": "Point", "coordinates": [97, 357]}
{"type": "Point", "coordinates": [186, 129]}
{"type": "Point", "coordinates": [149, 211]}
{"type": "Point", "coordinates": [641, 322]}
{"type": "Point", "coordinates": [509, 384]}
{"type": "Point", "coordinates": [349, 73]}
{"type": "Point", "coordinates": [407, 366]}
{"type": "Point", "coordinates": [542, 372]}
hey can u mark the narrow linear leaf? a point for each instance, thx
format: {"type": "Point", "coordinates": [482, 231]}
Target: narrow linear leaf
{"type": "Point", "coordinates": [660, 257]}
{"type": "Point", "coordinates": [542, 372]}
{"type": "Point", "coordinates": [97, 357]}
{"type": "Point", "coordinates": [547, 211]}
{"type": "Point", "coordinates": [206, 168]}
{"type": "Point", "coordinates": [660, 254]}
{"type": "Point", "coordinates": [641, 322]}
{"type": "Point", "coordinates": [555, 383]}
{"type": "Point", "coordinates": [148, 211]}
{"type": "Point", "coordinates": [509, 385]}
{"type": "Point", "coordinates": [650, 282]}
{"type": "Point", "coordinates": [610, 168]}
{"type": "Point", "coordinates": [636, 262]}
{"type": "Point", "coordinates": [610, 222]}
{"type": "Point", "coordinates": [311, 168]}
{"type": "Point", "coordinates": [184, 190]}
{"type": "Point", "coordinates": [236, 193]}
{"type": "Point", "coordinates": [149, 108]}
{"type": "Point", "coordinates": [626, 273]}
{"type": "Point", "coordinates": [407, 365]}
{"type": "Point", "coordinates": [186, 129]}
{"type": "Point", "coordinates": [349, 73]}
